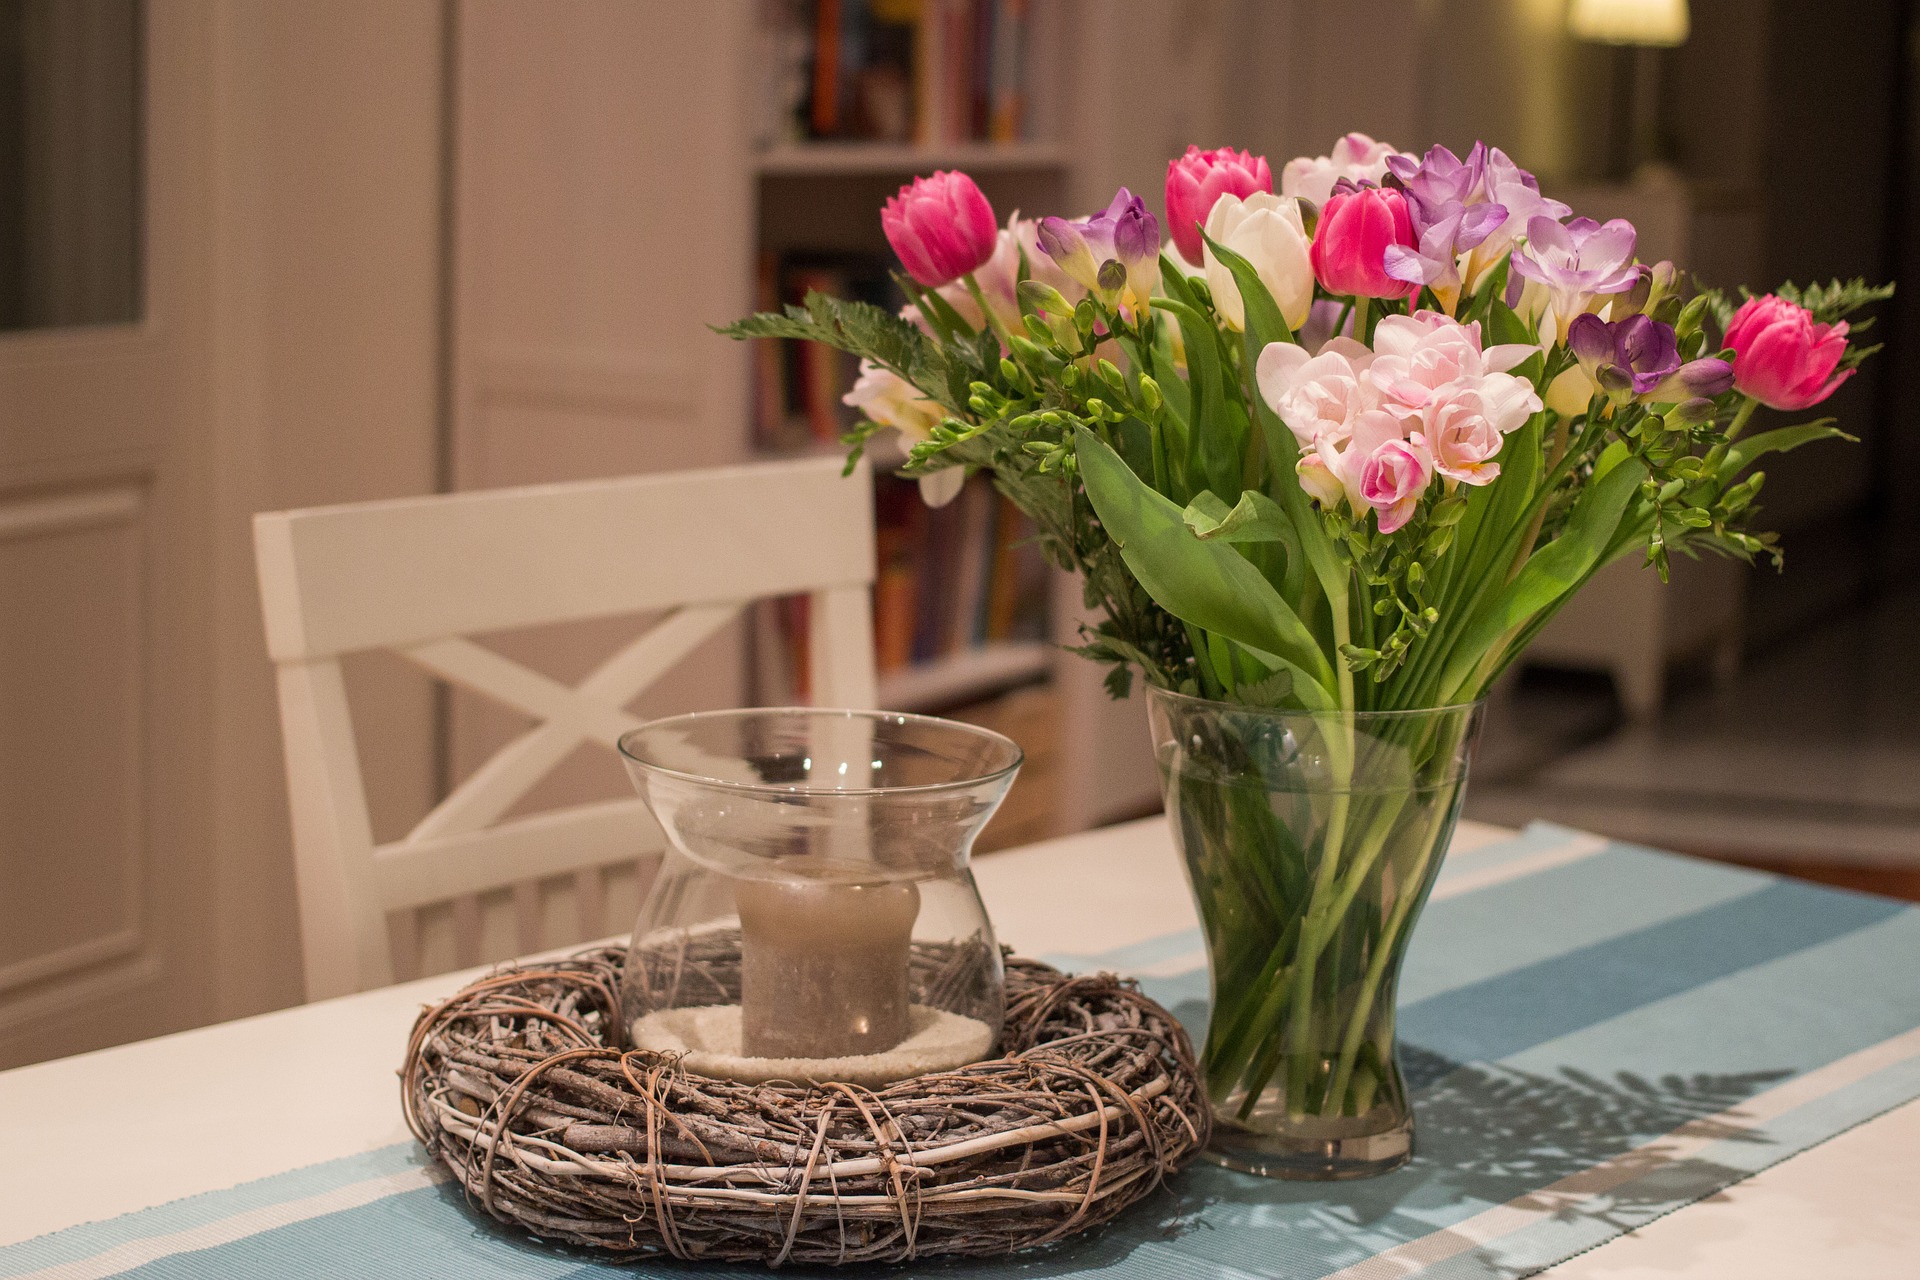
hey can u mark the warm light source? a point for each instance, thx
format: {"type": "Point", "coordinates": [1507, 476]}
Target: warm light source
{"type": "Point", "coordinates": [1644, 22]}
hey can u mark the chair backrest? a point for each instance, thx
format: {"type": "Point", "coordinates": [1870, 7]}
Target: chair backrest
{"type": "Point", "coordinates": [418, 576]}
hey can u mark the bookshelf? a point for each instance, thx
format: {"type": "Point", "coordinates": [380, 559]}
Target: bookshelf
{"type": "Point", "coordinates": [817, 225]}
{"type": "Point", "coordinates": [903, 159]}
{"type": "Point", "coordinates": [966, 676]}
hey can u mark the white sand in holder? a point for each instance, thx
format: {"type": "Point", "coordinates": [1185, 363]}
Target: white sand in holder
{"type": "Point", "coordinates": [708, 1039]}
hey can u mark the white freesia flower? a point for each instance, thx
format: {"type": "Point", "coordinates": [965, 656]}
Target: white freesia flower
{"type": "Point", "coordinates": [1267, 231]}
{"type": "Point", "coordinates": [890, 400]}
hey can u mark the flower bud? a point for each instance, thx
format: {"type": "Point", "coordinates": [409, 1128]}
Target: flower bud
{"type": "Point", "coordinates": [941, 227]}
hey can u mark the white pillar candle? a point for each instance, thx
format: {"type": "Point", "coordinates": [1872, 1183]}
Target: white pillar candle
{"type": "Point", "coordinates": [823, 966]}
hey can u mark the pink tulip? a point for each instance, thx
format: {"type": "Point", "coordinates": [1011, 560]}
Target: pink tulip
{"type": "Point", "coordinates": [1357, 227]}
{"type": "Point", "coordinates": [1198, 179]}
{"type": "Point", "coordinates": [942, 227]}
{"type": "Point", "coordinates": [1781, 357]}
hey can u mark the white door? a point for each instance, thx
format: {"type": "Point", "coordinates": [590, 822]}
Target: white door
{"type": "Point", "coordinates": [104, 745]}
{"type": "Point", "coordinates": [602, 218]}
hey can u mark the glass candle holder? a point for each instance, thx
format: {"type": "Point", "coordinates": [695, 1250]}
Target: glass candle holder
{"type": "Point", "coordinates": [815, 916]}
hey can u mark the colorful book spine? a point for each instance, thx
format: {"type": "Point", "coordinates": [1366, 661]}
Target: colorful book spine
{"type": "Point", "coordinates": [1007, 79]}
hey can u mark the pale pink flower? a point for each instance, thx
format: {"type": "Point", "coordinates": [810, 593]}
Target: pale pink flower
{"type": "Point", "coordinates": [1319, 396]}
{"type": "Point", "coordinates": [1509, 401]}
{"type": "Point", "coordinates": [1460, 432]}
{"type": "Point", "coordinates": [1385, 469]}
{"type": "Point", "coordinates": [1417, 355]}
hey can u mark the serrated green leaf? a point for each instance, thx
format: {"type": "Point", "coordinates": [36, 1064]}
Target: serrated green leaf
{"type": "Point", "coordinates": [1743, 453]}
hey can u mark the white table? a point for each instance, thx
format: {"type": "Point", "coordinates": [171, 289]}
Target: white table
{"type": "Point", "coordinates": [206, 1109]}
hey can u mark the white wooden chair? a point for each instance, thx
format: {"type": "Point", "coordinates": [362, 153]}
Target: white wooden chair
{"type": "Point", "coordinates": [417, 576]}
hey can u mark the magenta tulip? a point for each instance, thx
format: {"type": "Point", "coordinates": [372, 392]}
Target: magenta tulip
{"type": "Point", "coordinates": [1781, 357]}
{"type": "Point", "coordinates": [1197, 180]}
{"type": "Point", "coordinates": [942, 227]}
{"type": "Point", "coordinates": [1357, 227]}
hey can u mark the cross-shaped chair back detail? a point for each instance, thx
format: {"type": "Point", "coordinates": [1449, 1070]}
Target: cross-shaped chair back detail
{"type": "Point", "coordinates": [418, 576]}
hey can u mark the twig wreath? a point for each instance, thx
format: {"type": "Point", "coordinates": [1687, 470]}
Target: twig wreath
{"type": "Point", "coordinates": [523, 1086]}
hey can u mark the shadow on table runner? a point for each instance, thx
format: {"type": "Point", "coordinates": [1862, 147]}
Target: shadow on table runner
{"type": "Point", "coordinates": [1590, 1046]}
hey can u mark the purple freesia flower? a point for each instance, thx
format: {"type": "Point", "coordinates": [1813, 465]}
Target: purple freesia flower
{"type": "Point", "coordinates": [1451, 215]}
{"type": "Point", "coordinates": [1436, 260]}
{"type": "Point", "coordinates": [1639, 356]}
{"type": "Point", "coordinates": [1115, 253]}
{"type": "Point", "coordinates": [1701, 379]}
{"type": "Point", "coordinates": [1575, 261]}
{"type": "Point", "coordinates": [1518, 192]}
{"type": "Point", "coordinates": [1440, 179]}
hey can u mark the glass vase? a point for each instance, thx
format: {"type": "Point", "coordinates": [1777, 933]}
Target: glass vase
{"type": "Point", "coordinates": [815, 916]}
{"type": "Point", "coordinates": [1311, 841]}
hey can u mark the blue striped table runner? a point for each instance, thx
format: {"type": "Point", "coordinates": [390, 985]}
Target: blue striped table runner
{"type": "Point", "coordinates": [1597, 1035]}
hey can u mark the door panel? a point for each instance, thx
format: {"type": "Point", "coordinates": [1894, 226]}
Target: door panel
{"type": "Point", "coordinates": [104, 631]}
{"type": "Point", "coordinates": [71, 729]}
{"type": "Point", "coordinates": [601, 153]}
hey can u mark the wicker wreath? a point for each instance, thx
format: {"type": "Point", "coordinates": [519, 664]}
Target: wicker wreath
{"type": "Point", "coordinates": [523, 1086]}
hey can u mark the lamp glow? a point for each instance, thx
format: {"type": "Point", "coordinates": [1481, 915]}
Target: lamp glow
{"type": "Point", "coordinates": [1642, 22]}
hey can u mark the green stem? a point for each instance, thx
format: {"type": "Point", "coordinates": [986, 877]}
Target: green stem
{"type": "Point", "coordinates": [1557, 452]}
{"type": "Point", "coordinates": [1740, 417]}
{"type": "Point", "coordinates": [1360, 309]}
{"type": "Point", "coordinates": [1376, 970]}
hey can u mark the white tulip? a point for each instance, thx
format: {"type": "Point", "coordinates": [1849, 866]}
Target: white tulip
{"type": "Point", "coordinates": [1267, 231]}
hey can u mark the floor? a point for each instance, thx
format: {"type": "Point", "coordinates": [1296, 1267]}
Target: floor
{"type": "Point", "coordinates": [1808, 763]}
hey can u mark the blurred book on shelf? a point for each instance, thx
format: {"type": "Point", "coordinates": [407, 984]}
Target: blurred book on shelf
{"type": "Point", "coordinates": [798, 385]}
{"type": "Point", "coordinates": [929, 72]}
{"type": "Point", "coordinates": [1031, 716]}
{"type": "Point", "coordinates": [960, 602]}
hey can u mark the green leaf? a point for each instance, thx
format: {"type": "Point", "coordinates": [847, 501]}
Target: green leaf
{"type": "Point", "coordinates": [1207, 584]}
{"type": "Point", "coordinates": [1255, 518]}
{"type": "Point", "coordinates": [1550, 573]}
{"type": "Point", "coordinates": [1309, 547]}
{"type": "Point", "coordinates": [1212, 452]}
{"type": "Point", "coordinates": [1504, 326]}
{"type": "Point", "coordinates": [1173, 282]}
{"type": "Point", "coordinates": [1744, 453]}
{"type": "Point", "coordinates": [1610, 457]}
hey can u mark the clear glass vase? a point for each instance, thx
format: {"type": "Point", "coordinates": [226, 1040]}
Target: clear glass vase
{"type": "Point", "coordinates": [1311, 842]}
{"type": "Point", "coordinates": [815, 916]}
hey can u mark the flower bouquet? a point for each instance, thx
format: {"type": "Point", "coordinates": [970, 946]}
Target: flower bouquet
{"type": "Point", "coordinates": [1326, 463]}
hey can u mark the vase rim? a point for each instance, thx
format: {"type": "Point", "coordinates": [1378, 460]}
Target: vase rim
{"type": "Point", "coordinates": [1012, 758]}
{"type": "Point", "coordinates": [1173, 695]}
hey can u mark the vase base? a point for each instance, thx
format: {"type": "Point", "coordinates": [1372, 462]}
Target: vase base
{"type": "Point", "coordinates": [1307, 1157]}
